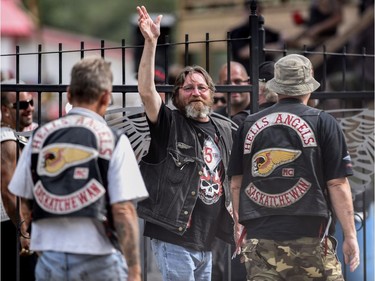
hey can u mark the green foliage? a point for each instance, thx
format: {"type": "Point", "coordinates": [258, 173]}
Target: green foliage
{"type": "Point", "coordinates": [109, 20]}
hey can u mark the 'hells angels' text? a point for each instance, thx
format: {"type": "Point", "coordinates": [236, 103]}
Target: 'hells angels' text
{"type": "Point", "coordinates": [293, 121]}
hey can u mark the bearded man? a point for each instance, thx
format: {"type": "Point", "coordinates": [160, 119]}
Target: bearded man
{"type": "Point", "coordinates": [185, 168]}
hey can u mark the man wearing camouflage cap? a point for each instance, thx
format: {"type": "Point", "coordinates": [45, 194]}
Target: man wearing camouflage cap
{"type": "Point", "coordinates": [289, 168]}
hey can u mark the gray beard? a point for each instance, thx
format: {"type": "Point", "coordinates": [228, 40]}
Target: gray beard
{"type": "Point", "coordinates": [193, 112]}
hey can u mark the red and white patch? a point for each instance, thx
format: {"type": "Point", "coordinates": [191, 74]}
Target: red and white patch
{"type": "Point", "coordinates": [81, 173]}
{"type": "Point", "coordinates": [278, 200]}
{"type": "Point", "coordinates": [287, 172]}
{"type": "Point", "coordinates": [104, 135]}
{"type": "Point", "coordinates": [299, 125]}
{"type": "Point", "coordinates": [66, 204]}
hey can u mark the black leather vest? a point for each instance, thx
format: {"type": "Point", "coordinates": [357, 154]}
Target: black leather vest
{"type": "Point", "coordinates": [282, 171]}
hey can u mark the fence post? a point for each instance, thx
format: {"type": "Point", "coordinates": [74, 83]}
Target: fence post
{"type": "Point", "coordinates": [254, 56]}
{"type": "Point", "coordinates": [261, 39]}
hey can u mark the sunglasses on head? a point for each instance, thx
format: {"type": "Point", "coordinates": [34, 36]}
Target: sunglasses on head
{"type": "Point", "coordinates": [23, 104]}
{"type": "Point", "coordinates": [221, 99]}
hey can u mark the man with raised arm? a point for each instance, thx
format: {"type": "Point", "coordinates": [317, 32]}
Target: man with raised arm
{"type": "Point", "coordinates": [185, 168]}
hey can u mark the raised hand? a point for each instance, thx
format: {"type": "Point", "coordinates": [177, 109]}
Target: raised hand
{"type": "Point", "coordinates": [149, 29]}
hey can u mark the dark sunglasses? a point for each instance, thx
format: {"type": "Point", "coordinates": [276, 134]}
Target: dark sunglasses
{"type": "Point", "coordinates": [221, 99]}
{"type": "Point", "coordinates": [23, 104]}
{"type": "Point", "coordinates": [237, 81]}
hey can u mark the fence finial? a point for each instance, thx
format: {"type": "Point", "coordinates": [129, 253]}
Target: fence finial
{"type": "Point", "coordinates": [253, 7]}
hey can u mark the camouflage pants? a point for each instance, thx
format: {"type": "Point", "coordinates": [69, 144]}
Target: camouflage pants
{"type": "Point", "coordinates": [294, 260]}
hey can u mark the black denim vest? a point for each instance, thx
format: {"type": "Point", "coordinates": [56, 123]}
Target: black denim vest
{"type": "Point", "coordinates": [172, 183]}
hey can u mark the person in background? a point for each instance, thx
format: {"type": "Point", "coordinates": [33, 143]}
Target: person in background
{"type": "Point", "coordinates": [323, 21]}
{"type": "Point", "coordinates": [184, 170]}
{"type": "Point", "coordinates": [220, 101]}
{"type": "Point", "coordinates": [238, 271]}
{"type": "Point", "coordinates": [12, 217]}
{"type": "Point", "coordinates": [160, 79]}
{"type": "Point", "coordinates": [267, 98]}
{"type": "Point", "coordinates": [239, 110]}
{"type": "Point", "coordinates": [289, 167]}
{"type": "Point", "coordinates": [173, 71]}
{"type": "Point", "coordinates": [240, 46]}
{"type": "Point", "coordinates": [239, 102]}
{"type": "Point", "coordinates": [83, 180]}
{"type": "Point", "coordinates": [321, 29]}
{"type": "Point", "coordinates": [359, 73]}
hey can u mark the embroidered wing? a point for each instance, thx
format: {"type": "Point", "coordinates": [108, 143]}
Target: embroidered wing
{"type": "Point", "coordinates": [132, 122]}
{"type": "Point", "coordinates": [358, 127]}
{"type": "Point", "coordinates": [359, 133]}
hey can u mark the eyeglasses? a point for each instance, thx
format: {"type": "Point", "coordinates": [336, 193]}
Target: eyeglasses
{"type": "Point", "coordinates": [237, 81]}
{"type": "Point", "coordinates": [219, 99]}
{"type": "Point", "coordinates": [23, 104]}
{"type": "Point", "coordinates": [190, 88]}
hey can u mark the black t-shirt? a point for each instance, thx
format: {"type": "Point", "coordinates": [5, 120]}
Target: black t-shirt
{"type": "Point", "coordinates": [335, 165]}
{"type": "Point", "coordinates": [209, 207]}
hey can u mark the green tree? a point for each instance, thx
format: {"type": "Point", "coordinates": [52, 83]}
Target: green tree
{"type": "Point", "coordinates": [108, 20]}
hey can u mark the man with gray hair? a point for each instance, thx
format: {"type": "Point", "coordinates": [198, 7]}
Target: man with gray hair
{"type": "Point", "coordinates": [267, 97]}
{"type": "Point", "coordinates": [83, 179]}
{"type": "Point", "coordinates": [289, 168]}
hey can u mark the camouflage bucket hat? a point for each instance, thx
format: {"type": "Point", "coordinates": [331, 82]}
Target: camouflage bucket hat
{"type": "Point", "coordinates": [293, 76]}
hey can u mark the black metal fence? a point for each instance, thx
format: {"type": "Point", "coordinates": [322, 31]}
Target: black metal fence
{"type": "Point", "coordinates": [344, 91]}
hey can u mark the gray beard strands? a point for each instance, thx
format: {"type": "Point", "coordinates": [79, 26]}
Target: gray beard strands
{"type": "Point", "coordinates": [193, 112]}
